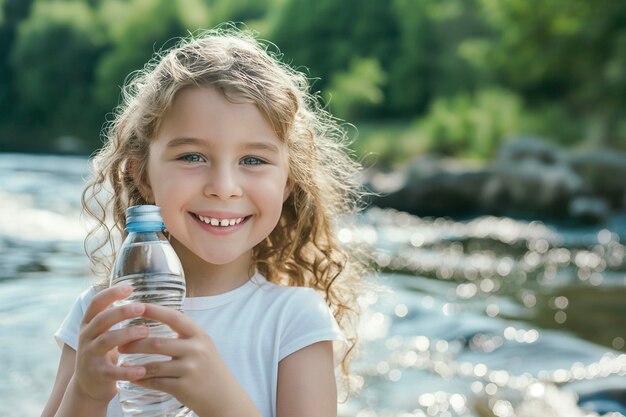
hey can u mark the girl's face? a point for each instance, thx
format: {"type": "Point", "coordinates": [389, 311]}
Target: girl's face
{"type": "Point", "coordinates": [220, 175]}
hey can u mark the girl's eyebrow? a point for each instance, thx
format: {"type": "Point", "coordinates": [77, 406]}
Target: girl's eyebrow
{"type": "Point", "coordinates": [259, 146]}
{"type": "Point", "coordinates": [176, 142]}
{"type": "Point", "coordinates": [262, 146]}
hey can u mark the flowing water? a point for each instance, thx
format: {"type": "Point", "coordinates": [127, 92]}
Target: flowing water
{"type": "Point", "coordinates": [482, 317]}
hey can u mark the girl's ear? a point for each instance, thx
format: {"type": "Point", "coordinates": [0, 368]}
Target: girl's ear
{"type": "Point", "coordinates": [288, 188]}
{"type": "Point", "coordinates": [141, 182]}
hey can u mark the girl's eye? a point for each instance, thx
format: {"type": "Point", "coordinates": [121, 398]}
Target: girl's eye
{"type": "Point", "coordinates": [192, 157]}
{"type": "Point", "coordinates": [252, 160]}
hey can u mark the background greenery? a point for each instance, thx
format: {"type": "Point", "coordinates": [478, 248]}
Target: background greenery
{"type": "Point", "coordinates": [448, 76]}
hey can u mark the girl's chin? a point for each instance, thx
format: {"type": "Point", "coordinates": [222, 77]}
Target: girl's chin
{"type": "Point", "coordinates": [226, 259]}
{"type": "Point", "coordinates": [212, 257]}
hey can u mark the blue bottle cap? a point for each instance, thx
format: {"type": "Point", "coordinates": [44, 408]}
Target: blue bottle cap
{"type": "Point", "coordinates": [144, 218]}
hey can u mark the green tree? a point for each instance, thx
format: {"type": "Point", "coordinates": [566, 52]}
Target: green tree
{"type": "Point", "coordinates": [326, 35]}
{"type": "Point", "coordinates": [416, 43]}
{"type": "Point", "coordinates": [53, 63]}
{"type": "Point", "coordinates": [12, 12]}
{"type": "Point", "coordinates": [430, 62]}
{"type": "Point", "coordinates": [194, 14]}
{"type": "Point", "coordinates": [135, 29]}
{"type": "Point", "coordinates": [352, 92]}
{"type": "Point", "coordinates": [570, 52]}
{"type": "Point", "coordinates": [471, 125]}
{"type": "Point", "coordinates": [239, 10]}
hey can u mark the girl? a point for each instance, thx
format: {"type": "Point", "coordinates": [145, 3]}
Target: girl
{"type": "Point", "coordinates": [250, 174]}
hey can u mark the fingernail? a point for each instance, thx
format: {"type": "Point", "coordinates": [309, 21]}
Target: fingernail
{"type": "Point", "coordinates": [125, 289]}
{"type": "Point", "coordinates": [139, 372]}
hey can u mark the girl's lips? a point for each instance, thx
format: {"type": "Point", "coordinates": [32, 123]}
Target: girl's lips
{"type": "Point", "coordinates": [219, 214]}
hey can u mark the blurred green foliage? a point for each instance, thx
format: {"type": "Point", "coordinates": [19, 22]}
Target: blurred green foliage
{"type": "Point", "coordinates": [351, 92]}
{"type": "Point", "coordinates": [473, 125]}
{"type": "Point", "coordinates": [449, 76]}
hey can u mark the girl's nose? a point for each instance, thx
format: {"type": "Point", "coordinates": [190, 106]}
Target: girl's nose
{"type": "Point", "coordinates": [222, 183]}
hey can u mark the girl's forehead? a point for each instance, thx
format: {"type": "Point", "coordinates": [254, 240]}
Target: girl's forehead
{"type": "Point", "coordinates": [211, 102]}
{"type": "Point", "coordinates": [206, 113]}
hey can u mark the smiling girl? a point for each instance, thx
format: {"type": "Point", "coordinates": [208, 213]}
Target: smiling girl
{"type": "Point", "coordinates": [251, 176]}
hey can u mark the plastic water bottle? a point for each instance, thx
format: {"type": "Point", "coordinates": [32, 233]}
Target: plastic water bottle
{"type": "Point", "coordinates": [148, 263]}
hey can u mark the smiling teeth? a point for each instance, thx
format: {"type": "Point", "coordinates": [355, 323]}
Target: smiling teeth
{"type": "Point", "coordinates": [220, 222]}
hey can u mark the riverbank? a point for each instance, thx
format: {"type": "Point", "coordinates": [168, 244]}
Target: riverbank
{"type": "Point", "coordinates": [528, 179]}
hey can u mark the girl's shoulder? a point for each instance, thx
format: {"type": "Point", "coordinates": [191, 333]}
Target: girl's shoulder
{"type": "Point", "coordinates": [85, 297]}
{"type": "Point", "coordinates": [296, 303]}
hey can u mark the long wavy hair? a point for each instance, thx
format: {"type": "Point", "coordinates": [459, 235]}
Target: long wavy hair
{"type": "Point", "coordinates": [303, 249]}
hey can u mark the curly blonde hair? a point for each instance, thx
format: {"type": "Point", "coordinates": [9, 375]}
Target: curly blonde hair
{"type": "Point", "coordinates": [303, 249]}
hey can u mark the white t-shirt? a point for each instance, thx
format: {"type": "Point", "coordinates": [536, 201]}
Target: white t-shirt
{"type": "Point", "coordinates": [254, 327]}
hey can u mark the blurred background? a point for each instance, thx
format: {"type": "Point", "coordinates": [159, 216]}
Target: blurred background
{"type": "Point", "coordinates": [493, 136]}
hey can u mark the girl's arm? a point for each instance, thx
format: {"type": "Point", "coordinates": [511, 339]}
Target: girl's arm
{"type": "Point", "coordinates": [306, 383]}
{"type": "Point", "coordinates": [64, 391]}
{"type": "Point", "coordinates": [75, 403]}
{"type": "Point", "coordinates": [64, 374]}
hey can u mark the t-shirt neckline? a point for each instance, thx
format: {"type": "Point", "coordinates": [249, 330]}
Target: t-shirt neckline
{"type": "Point", "coordinates": [212, 301]}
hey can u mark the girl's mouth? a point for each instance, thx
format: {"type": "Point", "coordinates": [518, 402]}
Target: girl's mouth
{"type": "Point", "coordinates": [213, 221]}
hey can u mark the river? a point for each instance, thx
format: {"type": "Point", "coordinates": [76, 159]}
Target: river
{"type": "Point", "coordinates": [476, 317]}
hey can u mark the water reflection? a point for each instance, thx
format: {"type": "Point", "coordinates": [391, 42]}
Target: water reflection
{"type": "Point", "coordinates": [527, 262]}
{"type": "Point", "coordinates": [486, 317]}
{"type": "Point", "coordinates": [495, 304]}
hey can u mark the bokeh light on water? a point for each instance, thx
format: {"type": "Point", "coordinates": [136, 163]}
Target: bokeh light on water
{"type": "Point", "coordinates": [499, 317]}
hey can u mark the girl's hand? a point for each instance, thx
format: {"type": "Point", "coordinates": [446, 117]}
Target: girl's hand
{"type": "Point", "coordinates": [96, 369]}
{"type": "Point", "coordinates": [196, 374]}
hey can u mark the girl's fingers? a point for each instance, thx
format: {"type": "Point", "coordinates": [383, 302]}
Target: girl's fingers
{"type": "Point", "coordinates": [181, 324]}
{"type": "Point", "coordinates": [108, 318]}
{"type": "Point", "coordinates": [109, 340]}
{"type": "Point", "coordinates": [159, 384]}
{"type": "Point", "coordinates": [163, 369]}
{"type": "Point", "coordinates": [126, 373]}
{"type": "Point", "coordinates": [155, 345]}
{"type": "Point", "coordinates": [105, 298]}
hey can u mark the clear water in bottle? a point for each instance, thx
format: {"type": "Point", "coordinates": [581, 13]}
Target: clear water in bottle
{"type": "Point", "coordinates": [148, 263]}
